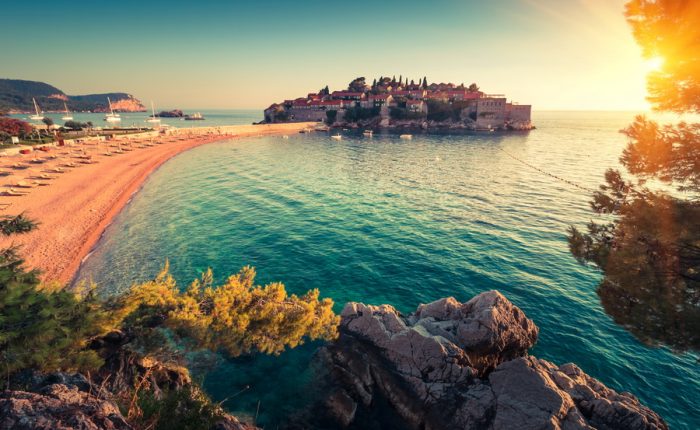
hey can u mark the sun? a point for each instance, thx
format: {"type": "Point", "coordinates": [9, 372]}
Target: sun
{"type": "Point", "coordinates": [654, 64]}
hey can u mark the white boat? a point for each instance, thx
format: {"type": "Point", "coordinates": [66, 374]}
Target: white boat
{"type": "Point", "coordinates": [336, 137]}
{"type": "Point", "coordinates": [111, 116]}
{"type": "Point", "coordinates": [406, 136]}
{"type": "Point", "coordinates": [368, 133]}
{"type": "Point", "coordinates": [153, 118]}
{"type": "Point", "coordinates": [67, 116]}
{"type": "Point", "coordinates": [38, 116]}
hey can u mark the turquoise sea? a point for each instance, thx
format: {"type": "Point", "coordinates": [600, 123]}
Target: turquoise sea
{"type": "Point", "coordinates": [385, 220]}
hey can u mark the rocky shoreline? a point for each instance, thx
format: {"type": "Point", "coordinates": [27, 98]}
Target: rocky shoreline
{"type": "Point", "coordinates": [448, 365]}
{"type": "Point", "coordinates": [462, 125]}
{"type": "Point", "coordinates": [452, 365]}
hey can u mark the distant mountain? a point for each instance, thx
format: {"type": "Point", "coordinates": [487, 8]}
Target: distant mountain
{"type": "Point", "coordinates": [16, 96]}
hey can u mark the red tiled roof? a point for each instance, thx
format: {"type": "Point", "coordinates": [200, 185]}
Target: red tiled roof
{"type": "Point", "coordinates": [346, 94]}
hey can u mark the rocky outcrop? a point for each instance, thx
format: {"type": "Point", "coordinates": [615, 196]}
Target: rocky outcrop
{"type": "Point", "coordinates": [128, 104]}
{"type": "Point", "coordinates": [73, 401]}
{"type": "Point", "coordinates": [175, 113]}
{"type": "Point", "coordinates": [452, 365]}
{"type": "Point", "coordinates": [59, 406]}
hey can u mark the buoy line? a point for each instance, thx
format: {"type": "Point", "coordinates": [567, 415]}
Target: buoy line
{"type": "Point", "coordinates": [573, 184]}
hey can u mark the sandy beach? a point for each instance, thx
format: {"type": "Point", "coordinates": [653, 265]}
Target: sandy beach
{"type": "Point", "coordinates": [75, 191]}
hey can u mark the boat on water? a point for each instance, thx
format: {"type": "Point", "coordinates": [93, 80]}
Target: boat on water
{"type": "Point", "coordinates": [67, 116]}
{"type": "Point", "coordinates": [322, 128]}
{"type": "Point", "coordinates": [111, 116]}
{"type": "Point", "coordinates": [406, 136]}
{"type": "Point", "coordinates": [368, 133]}
{"type": "Point", "coordinates": [38, 115]}
{"type": "Point", "coordinates": [153, 119]}
{"type": "Point", "coordinates": [194, 117]}
{"type": "Point", "coordinates": [336, 137]}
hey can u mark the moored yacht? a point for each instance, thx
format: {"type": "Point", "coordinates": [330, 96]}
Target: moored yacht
{"type": "Point", "coordinates": [37, 116]}
{"type": "Point", "coordinates": [67, 116]}
{"type": "Point", "coordinates": [111, 116]}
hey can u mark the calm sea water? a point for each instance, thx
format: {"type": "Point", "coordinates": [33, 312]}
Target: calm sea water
{"type": "Point", "coordinates": [384, 220]}
{"type": "Point", "coordinates": [214, 117]}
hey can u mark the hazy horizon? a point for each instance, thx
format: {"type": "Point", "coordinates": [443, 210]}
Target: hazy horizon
{"type": "Point", "coordinates": [247, 56]}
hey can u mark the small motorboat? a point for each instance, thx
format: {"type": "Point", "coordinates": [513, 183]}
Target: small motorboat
{"type": "Point", "coordinates": [406, 136]}
{"type": "Point", "coordinates": [368, 133]}
{"type": "Point", "coordinates": [285, 137]}
{"type": "Point", "coordinates": [337, 137]}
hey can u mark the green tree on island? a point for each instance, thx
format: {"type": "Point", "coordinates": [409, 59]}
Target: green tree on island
{"type": "Point", "coordinates": [650, 252]}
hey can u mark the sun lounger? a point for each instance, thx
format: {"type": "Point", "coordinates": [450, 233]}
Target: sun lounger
{"type": "Point", "coordinates": [23, 184]}
{"type": "Point", "coordinates": [13, 192]}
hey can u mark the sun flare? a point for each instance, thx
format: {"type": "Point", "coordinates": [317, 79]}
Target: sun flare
{"type": "Point", "coordinates": [654, 64]}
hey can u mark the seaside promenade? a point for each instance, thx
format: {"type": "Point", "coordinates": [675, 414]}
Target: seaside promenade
{"type": "Point", "coordinates": [75, 191]}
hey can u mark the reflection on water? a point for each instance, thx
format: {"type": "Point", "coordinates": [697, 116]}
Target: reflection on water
{"type": "Point", "coordinates": [650, 256]}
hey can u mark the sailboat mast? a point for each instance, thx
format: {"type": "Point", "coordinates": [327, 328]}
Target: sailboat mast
{"type": "Point", "coordinates": [36, 107]}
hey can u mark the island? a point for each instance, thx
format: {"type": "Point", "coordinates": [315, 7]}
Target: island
{"type": "Point", "coordinates": [392, 103]}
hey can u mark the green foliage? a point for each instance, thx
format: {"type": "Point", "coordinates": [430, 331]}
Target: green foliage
{"type": "Point", "coordinates": [439, 111]}
{"type": "Point", "coordinates": [237, 317]}
{"type": "Point", "coordinates": [399, 113]}
{"type": "Point", "coordinates": [39, 328]}
{"type": "Point", "coordinates": [76, 125]}
{"type": "Point", "coordinates": [16, 224]}
{"type": "Point", "coordinates": [184, 409]}
{"type": "Point", "coordinates": [331, 115]}
{"type": "Point", "coordinates": [48, 121]}
{"type": "Point", "coordinates": [670, 153]}
{"type": "Point", "coordinates": [669, 30]}
{"type": "Point", "coordinates": [357, 85]}
{"type": "Point", "coordinates": [359, 113]}
{"type": "Point", "coordinates": [649, 251]}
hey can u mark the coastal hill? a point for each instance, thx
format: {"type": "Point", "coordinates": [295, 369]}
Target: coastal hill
{"type": "Point", "coordinates": [16, 97]}
{"type": "Point", "coordinates": [389, 102]}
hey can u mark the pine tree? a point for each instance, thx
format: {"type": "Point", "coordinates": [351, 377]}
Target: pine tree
{"type": "Point", "coordinates": [650, 252]}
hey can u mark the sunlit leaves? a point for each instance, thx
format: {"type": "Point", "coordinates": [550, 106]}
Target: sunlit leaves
{"type": "Point", "coordinates": [236, 317]}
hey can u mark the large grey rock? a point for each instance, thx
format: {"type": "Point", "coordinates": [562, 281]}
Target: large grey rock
{"type": "Point", "coordinates": [454, 365]}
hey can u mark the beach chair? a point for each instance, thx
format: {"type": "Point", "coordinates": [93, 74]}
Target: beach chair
{"type": "Point", "coordinates": [24, 184]}
{"type": "Point", "coordinates": [16, 193]}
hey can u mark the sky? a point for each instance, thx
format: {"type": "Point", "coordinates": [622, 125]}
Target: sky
{"type": "Point", "coordinates": [553, 54]}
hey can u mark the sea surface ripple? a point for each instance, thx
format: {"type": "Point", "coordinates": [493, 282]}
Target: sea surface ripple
{"type": "Point", "coordinates": [386, 220]}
